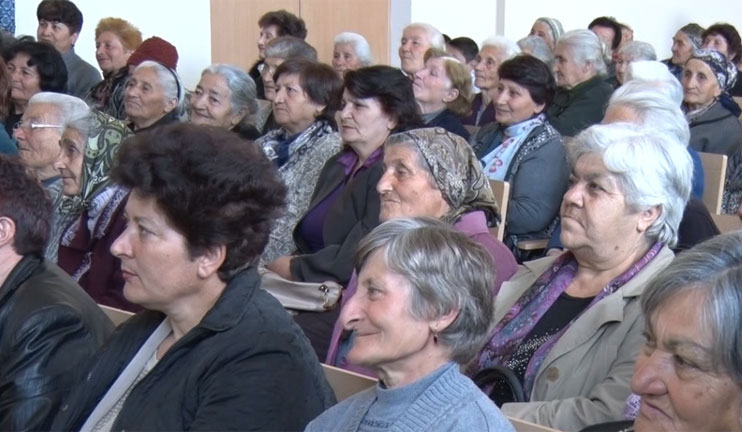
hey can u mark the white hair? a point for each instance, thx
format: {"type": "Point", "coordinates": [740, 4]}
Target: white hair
{"type": "Point", "coordinates": [585, 47]}
{"type": "Point", "coordinates": [360, 46]}
{"type": "Point", "coordinates": [243, 93]}
{"type": "Point", "coordinates": [653, 106]}
{"type": "Point", "coordinates": [169, 80]}
{"type": "Point", "coordinates": [657, 73]}
{"type": "Point", "coordinates": [68, 107]}
{"type": "Point", "coordinates": [652, 169]}
{"type": "Point", "coordinates": [536, 47]}
{"type": "Point", "coordinates": [435, 37]}
{"type": "Point", "coordinates": [637, 50]}
{"type": "Point", "coordinates": [510, 48]}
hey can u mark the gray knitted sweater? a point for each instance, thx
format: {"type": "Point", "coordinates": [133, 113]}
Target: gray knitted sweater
{"type": "Point", "coordinates": [445, 400]}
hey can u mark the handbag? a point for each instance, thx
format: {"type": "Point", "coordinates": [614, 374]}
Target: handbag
{"type": "Point", "coordinates": [501, 385]}
{"type": "Point", "coordinates": [303, 296]}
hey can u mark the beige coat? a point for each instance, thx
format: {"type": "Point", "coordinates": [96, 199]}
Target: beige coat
{"type": "Point", "coordinates": [586, 377]}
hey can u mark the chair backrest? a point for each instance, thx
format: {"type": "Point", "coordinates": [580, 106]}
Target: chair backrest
{"type": "Point", "coordinates": [118, 316]}
{"type": "Point", "coordinates": [714, 174]}
{"type": "Point", "coordinates": [727, 222]}
{"type": "Point", "coordinates": [346, 383]}
{"type": "Point", "coordinates": [501, 189]}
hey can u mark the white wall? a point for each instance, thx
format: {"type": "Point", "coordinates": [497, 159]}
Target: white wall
{"type": "Point", "coordinates": [471, 18]}
{"type": "Point", "coordinates": [185, 24]}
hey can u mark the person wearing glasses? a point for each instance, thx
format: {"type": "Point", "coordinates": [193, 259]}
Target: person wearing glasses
{"type": "Point", "coordinates": [39, 131]}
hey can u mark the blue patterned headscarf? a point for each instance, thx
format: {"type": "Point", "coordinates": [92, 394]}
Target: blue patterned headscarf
{"type": "Point", "coordinates": [724, 70]}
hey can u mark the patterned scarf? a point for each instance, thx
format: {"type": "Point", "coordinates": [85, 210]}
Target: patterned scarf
{"type": "Point", "coordinates": [104, 139]}
{"type": "Point", "coordinates": [523, 316]}
{"type": "Point", "coordinates": [456, 170]}
{"type": "Point", "coordinates": [271, 141]}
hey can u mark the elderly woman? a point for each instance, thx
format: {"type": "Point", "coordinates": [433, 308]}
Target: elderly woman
{"type": "Point", "coordinates": [153, 96]}
{"type": "Point", "coordinates": [689, 372]}
{"type": "Point", "coordinates": [443, 91]}
{"type": "Point", "coordinates": [417, 39]}
{"type": "Point", "coordinates": [522, 148]}
{"type": "Point", "coordinates": [712, 114]}
{"type": "Point", "coordinates": [493, 52]}
{"type": "Point", "coordinates": [432, 173]}
{"type": "Point", "coordinates": [6, 145]}
{"type": "Point", "coordinates": [211, 351]}
{"type": "Point", "coordinates": [582, 92]}
{"type": "Point", "coordinates": [422, 307]}
{"type": "Point", "coordinates": [307, 97]}
{"type": "Point", "coordinates": [629, 53]}
{"type": "Point", "coordinates": [115, 41]}
{"type": "Point", "coordinates": [548, 29]}
{"type": "Point", "coordinates": [350, 52]}
{"type": "Point", "coordinates": [277, 51]}
{"type": "Point", "coordinates": [34, 67]}
{"type": "Point", "coordinates": [724, 38]}
{"type": "Point", "coordinates": [686, 40]}
{"type": "Point", "coordinates": [580, 311]}
{"type": "Point", "coordinates": [90, 214]}
{"type": "Point", "coordinates": [225, 97]}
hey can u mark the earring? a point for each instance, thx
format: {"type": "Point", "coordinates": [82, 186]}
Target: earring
{"type": "Point", "coordinates": [435, 335]}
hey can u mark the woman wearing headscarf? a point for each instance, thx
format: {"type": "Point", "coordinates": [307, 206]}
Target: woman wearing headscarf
{"type": "Point", "coordinates": [432, 172]}
{"type": "Point", "coordinates": [713, 116]}
{"type": "Point", "coordinates": [686, 40]}
{"type": "Point", "coordinates": [548, 29]}
{"type": "Point", "coordinates": [90, 215]}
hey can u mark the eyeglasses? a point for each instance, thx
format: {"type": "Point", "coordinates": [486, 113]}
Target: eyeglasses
{"type": "Point", "coordinates": [25, 125]}
{"type": "Point", "coordinates": [266, 69]}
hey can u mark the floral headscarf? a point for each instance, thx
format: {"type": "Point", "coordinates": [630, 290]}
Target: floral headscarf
{"type": "Point", "coordinates": [456, 170]}
{"type": "Point", "coordinates": [103, 141]}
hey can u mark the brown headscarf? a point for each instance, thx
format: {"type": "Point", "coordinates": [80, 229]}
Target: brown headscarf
{"type": "Point", "coordinates": [456, 170]}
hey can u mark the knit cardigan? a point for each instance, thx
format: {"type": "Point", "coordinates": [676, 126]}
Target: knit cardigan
{"type": "Point", "coordinates": [451, 403]}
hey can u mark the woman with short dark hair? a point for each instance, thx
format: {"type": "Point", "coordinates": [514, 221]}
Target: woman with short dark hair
{"type": "Point", "coordinates": [523, 149]}
{"type": "Point", "coordinates": [34, 67]}
{"type": "Point", "coordinates": [212, 351]}
{"type": "Point", "coordinates": [307, 97]}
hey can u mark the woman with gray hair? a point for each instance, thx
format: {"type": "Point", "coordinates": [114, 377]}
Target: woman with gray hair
{"type": "Point", "coordinates": [629, 53]}
{"type": "Point", "coordinates": [225, 97]}
{"type": "Point", "coordinates": [91, 213]}
{"type": "Point", "coordinates": [579, 311]}
{"type": "Point", "coordinates": [417, 39]}
{"type": "Point", "coordinates": [582, 92]}
{"type": "Point", "coordinates": [688, 375]}
{"type": "Point", "coordinates": [423, 308]}
{"type": "Point", "coordinates": [493, 52]}
{"type": "Point", "coordinates": [350, 52]}
{"type": "Point", "coordinates": [536, 47]}
{"type": "Point", "coordinates": [153, 96]}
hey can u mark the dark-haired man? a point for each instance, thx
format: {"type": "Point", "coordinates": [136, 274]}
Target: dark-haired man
{"type": "Point", "coordinates": [49, 326]}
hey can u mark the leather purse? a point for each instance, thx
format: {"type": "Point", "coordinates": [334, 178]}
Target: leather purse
{"type": "Point", "coordinates": [501, 385]}
{"type": "Point", "coordinates": [301, 296]}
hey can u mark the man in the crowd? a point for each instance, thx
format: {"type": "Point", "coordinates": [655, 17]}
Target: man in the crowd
{"type": "Point", "coordinates": [60, 22]}
{"type": "Point", "coordinates": [50, 326]}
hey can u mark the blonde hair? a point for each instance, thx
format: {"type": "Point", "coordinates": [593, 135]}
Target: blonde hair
{"type": "Point", "coordinates": [460, 79]}
{"type": "Point", "coordinates": [129, 35]}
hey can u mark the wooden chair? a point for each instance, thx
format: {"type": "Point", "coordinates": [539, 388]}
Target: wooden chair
{"type": "Point", "coordinates": [346, 383]}
{"type": "Point", "coordinates": [118, 316]}
{"type": "Point", "coordinates": [501, 189]}
{"type": "Point", "coordinates": [727, 222]}
{"type": "Point", "coordinates": [714, 174]}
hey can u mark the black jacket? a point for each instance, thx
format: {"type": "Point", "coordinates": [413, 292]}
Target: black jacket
{"type": "Point", "coordinates": [49, 326]}
{"type": "Point", "coordinates": [576, 109]}
{"type": "Point", "coordinates": [245, 366]}
{"type": "Point", "coordinates": [450, 122]}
